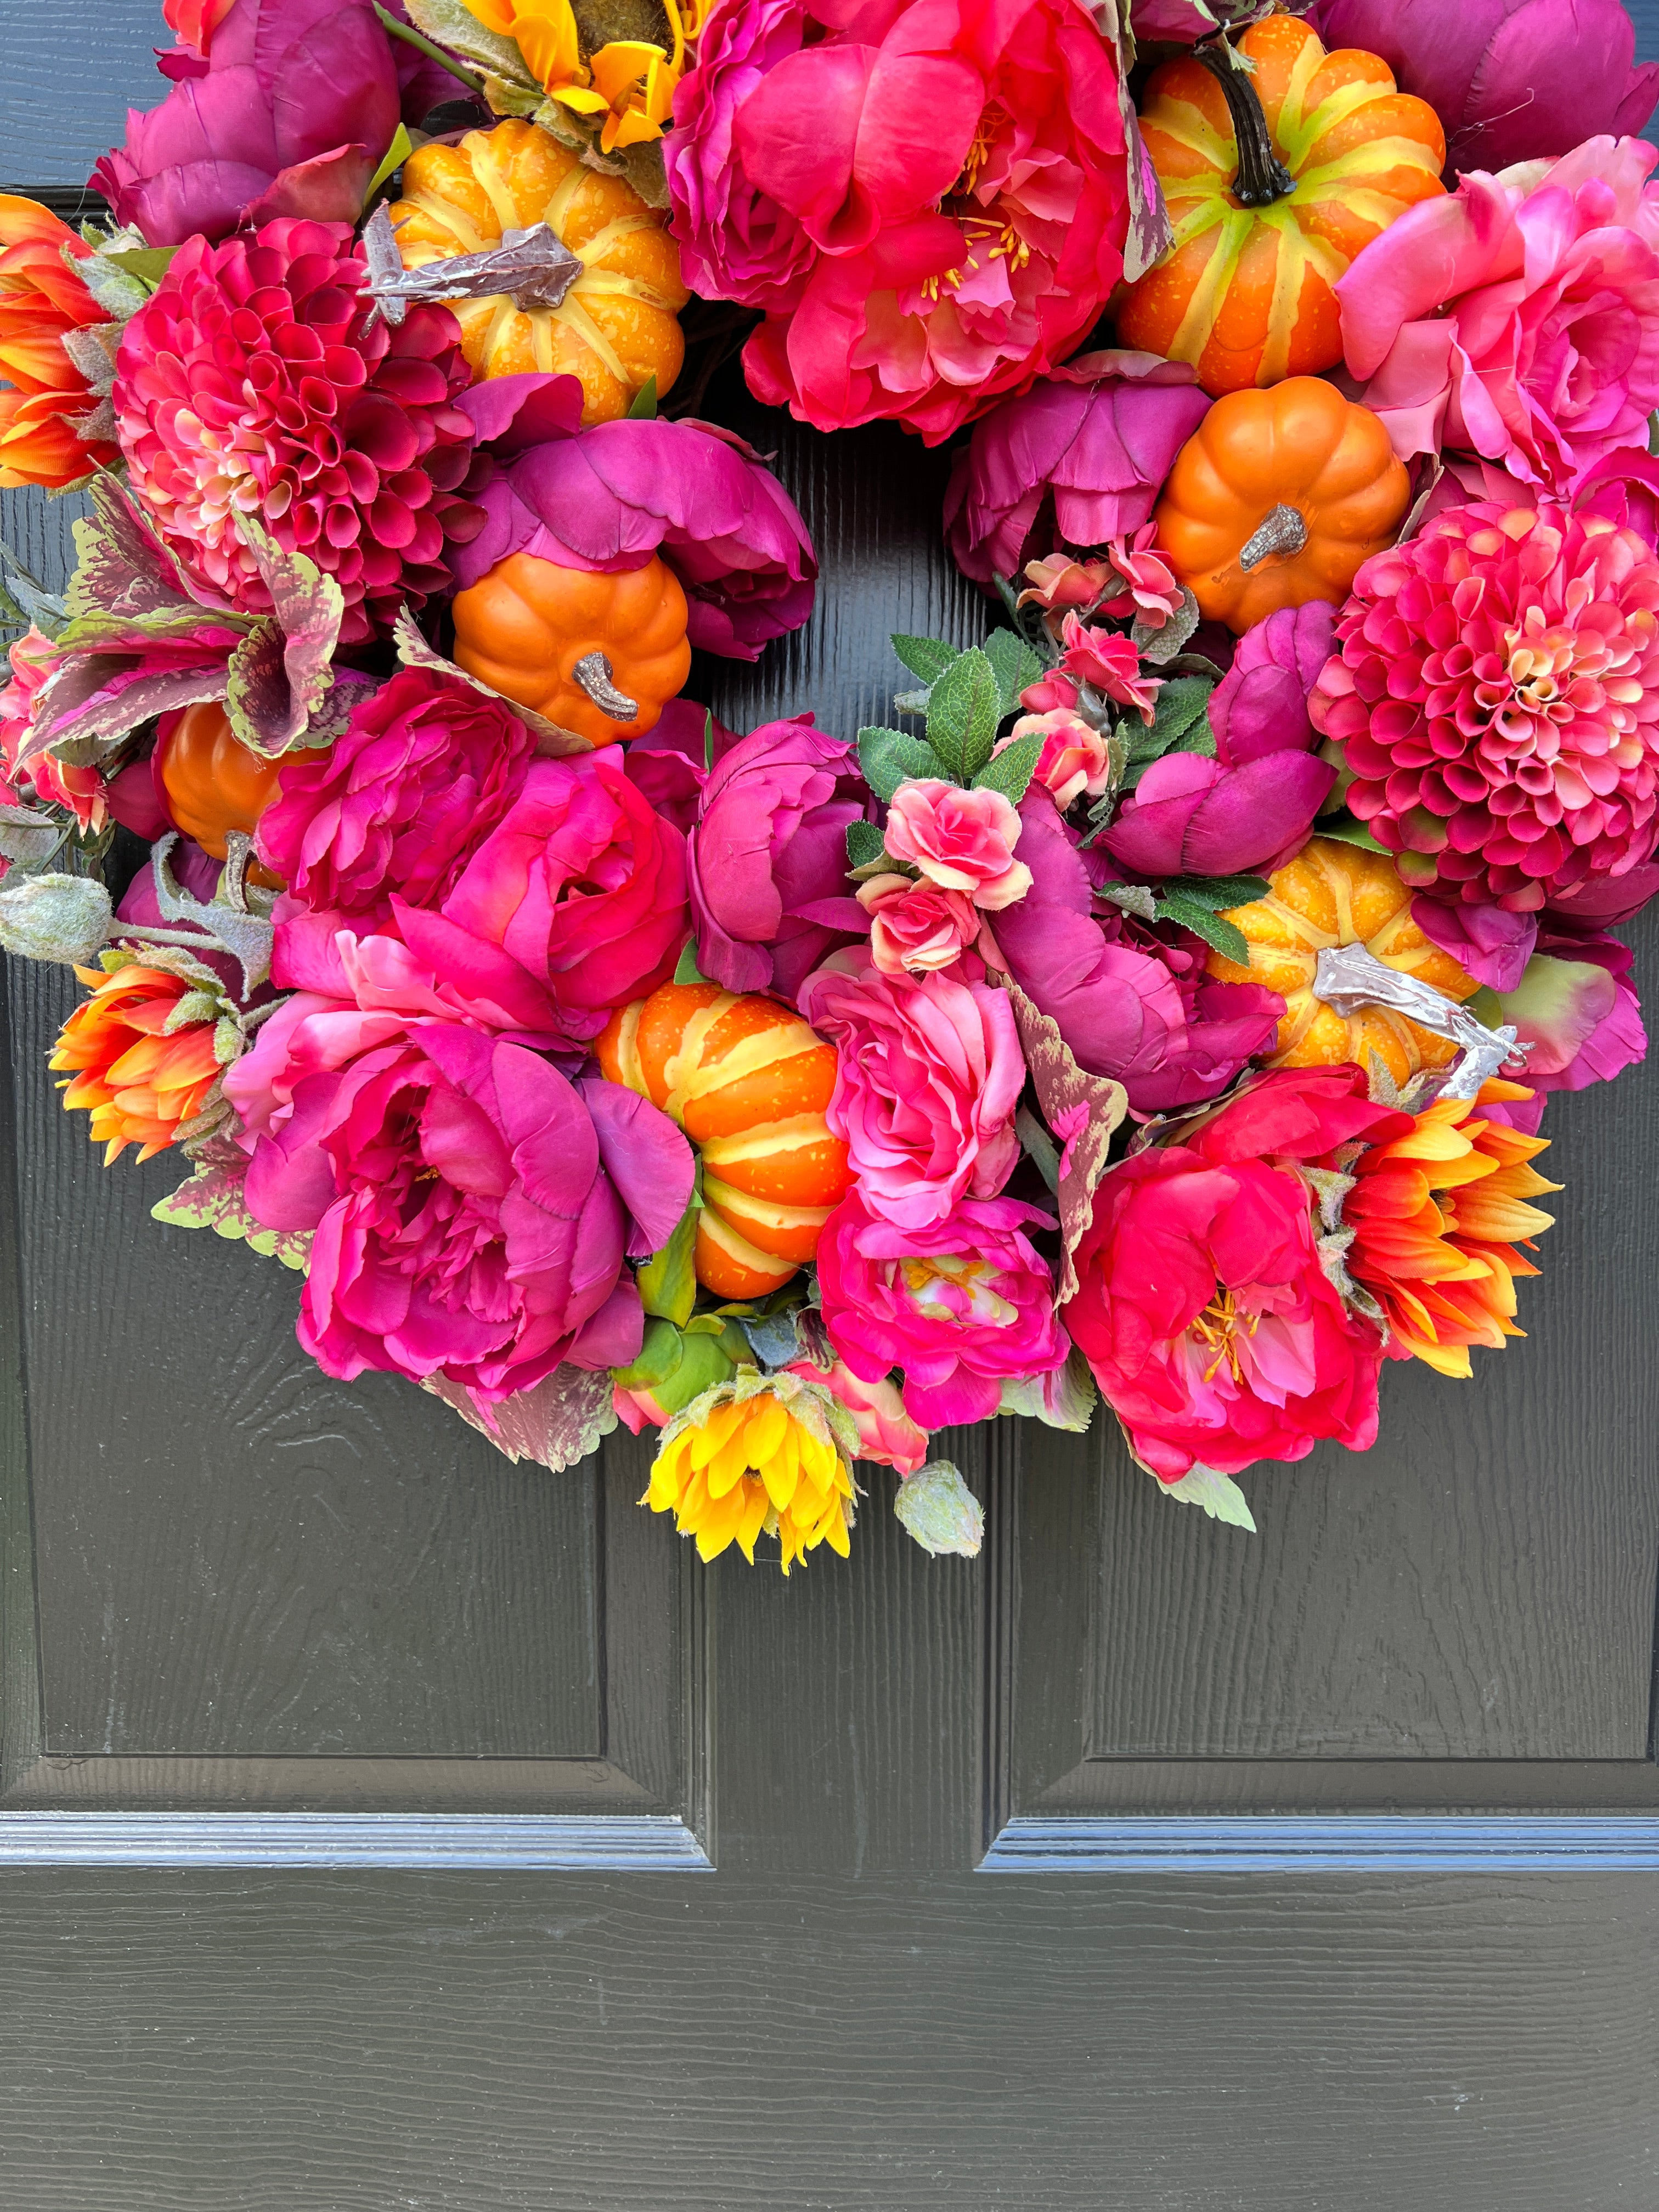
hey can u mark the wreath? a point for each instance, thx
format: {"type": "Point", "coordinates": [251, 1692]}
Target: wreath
{"type": "Point", "coordinates": [1159, 1009]}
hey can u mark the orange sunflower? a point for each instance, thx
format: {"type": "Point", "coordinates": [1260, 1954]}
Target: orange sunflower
{"type": "Point", "coordinates": [1437, 1216]}
{"type": "Point", "coordinates": [140, 1079]}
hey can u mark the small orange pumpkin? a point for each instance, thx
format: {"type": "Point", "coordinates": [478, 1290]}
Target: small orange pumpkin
{"type": "Point", "coordinates": [213, 785]}
{"type": "Point", "coordinates": [1277, 498]}
{"type": "Point", "coordinates": [1275, 179]}
{"type": "Point", "coordinates": [748, 1082]}
{"type": "Point", "coordinates": [1338, 894]}
{"type": "Point", "coordinates": [616, 327]}
{"type": "Point", "coordinates": [601, 655]}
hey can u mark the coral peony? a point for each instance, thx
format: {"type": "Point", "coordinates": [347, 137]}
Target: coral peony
{"type": "Point", "coordinates": [471, 1207]}
{"type": "Point", "coordinates": [928, 1074]}
{"type": "Point", "coordinates": [962, 840]}
{"type": "Point", "coordinates": [424, 771]}
{"type": "Point", "coordinates": [140, 1071]}
{"type": "Point", "coordinates": [768, 860]}
{"type": "Point", "coordinates": [1511, 80]}
{"type": "Point", "coordinates": [960, 1305]}
{"type": "Point", "coordinates": [1497, 700]}
{"type": "Point", "coordinates": [762, 1452]}
{"type": "Point", "coordinates": [1078, 460]}
{"type": "Point", "coordinates": [930, 202]}
{"type": "Point", "coordinates": [1517, 317]}
{"type": "Point", "coordinates": [43, 414]}
{"type": "Point", "coordinates": [915, 927]}
{"type": "Point", "coordinates": [887, 1434]}
{"type": "Point", "coordinates": [252, 382]}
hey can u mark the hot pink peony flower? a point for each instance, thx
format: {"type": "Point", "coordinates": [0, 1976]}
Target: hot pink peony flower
{"type": "Point", "coordinates": [1074, 762]}
{"type": "Point", "coordinates": [1076, 460]}
{"type": "Point", "coordinates": [471, 1208]}
{"type": "Point", "coordinates": [252, 383]}
{"type": "Point", "coordinates": [1495, 699]}
{"type": "Point", "coordinates": [1111, 663]}
{"type": "Point", "coordinates": [958, 1305]}
{"type": "Point", "coordinates": [915, 929]}
{"type": "Point", "coordinates": [962, 840]}
{"type": "Point", "coordinates": [1518, 317]}
{"type": "Point", "coordinates": [425, 769]}
{"type": "Point", "coordinates": [958, 179]}
{"type": "Point", "coordinates": [887, 1434]}
{"type": "Point", "coordinates": [1576, 1007]}
{"type": "Point", "coordinates": [928, 1074]}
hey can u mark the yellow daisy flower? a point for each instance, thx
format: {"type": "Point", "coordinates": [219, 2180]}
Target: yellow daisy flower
{"type": "Point", "coordinates": [763, 1453]}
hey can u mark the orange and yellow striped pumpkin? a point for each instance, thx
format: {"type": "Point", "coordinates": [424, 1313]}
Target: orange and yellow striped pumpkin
{"type": "Point", "coordinates": [1267, 220]}
{"type": "Point", "coordinates": [748, 1082]}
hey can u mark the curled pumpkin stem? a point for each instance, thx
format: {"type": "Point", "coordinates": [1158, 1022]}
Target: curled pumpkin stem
{"type": "Point", "coordinates": [1262, 178]}
{"type": "Point", "coordinates": [1281, 530]}
{"type": "Point", "coordinates": [594, 673]}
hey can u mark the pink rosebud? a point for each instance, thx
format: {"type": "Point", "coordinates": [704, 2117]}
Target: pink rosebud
{"type": "Point", "coordinates": [1149, 593]}
{"type": "Point", "coordinates": [1074, 757]}
{"type": "Point", "coordinates": [1053, 690]}
{"type": "Point", "coordinates": [886, 1432]}
{"type": "Point", "coordinates": [1111, 663]}
{"type": "Point", "coordinates": [1059, 582]}
{"type": "Point", "coordinates": [915, 929]}
{"type": "Point", "coordinates": [962, 840]}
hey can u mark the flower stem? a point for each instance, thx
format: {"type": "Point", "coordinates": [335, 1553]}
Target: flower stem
{"type": "Point", "coordinates": [411, 37]}
{"type": "Point", "coordinates": [1262, 178]}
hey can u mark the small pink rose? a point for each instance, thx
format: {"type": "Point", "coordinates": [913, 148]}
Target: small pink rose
{"type": "Point", "coordinates": [962, 840]}
{"type": "Point", "coordinates": [1056, 689]}
{"type": "Point", "coordinates": [1059, 582]}
{"type": "Point", "coordinates": [886, 1432]}
{"type": "Point", "coordinates": [1074, 758]}
{"type": "Point", "coordinates": [915, 927]}
{"type": "Point", "coordinates": [1111, 663]}
{"type": "Point", "coordinates": [1148, 590]}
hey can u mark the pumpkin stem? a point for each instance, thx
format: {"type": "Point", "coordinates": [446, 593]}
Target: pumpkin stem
{"type": "Point", "coordinates": [593, 672]}
{"type": "Point", "coordinates": [1281, 530]}
{"type": "Point", "coordinates": [1262, 178]}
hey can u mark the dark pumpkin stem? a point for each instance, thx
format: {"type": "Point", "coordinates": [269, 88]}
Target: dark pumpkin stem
{"type": "Point", "coordinates": [1262, 176]}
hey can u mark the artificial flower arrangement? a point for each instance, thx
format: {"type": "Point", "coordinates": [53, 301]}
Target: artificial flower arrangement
{"type": "Point", "coordinates": [1161, 1010]}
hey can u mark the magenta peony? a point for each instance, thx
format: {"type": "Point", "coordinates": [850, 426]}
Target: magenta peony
{"type": "Point", "coordinates": [471, 1207]}
{"type": "Point", "coordinates": [768, 858]}
{"type": "Point", "coordinates": [915, 929]}
{"type": "Point", "coordinates": [668, 765]}
{"type": "Point", "coordinates": [1511, 80]}
{"type": "Point", "coordinates": [1203, 1308]}
{"type": "Point", "coordinates": [928, 1074]}
{"type": "Point", "coordinates": [1078, 460]}
{"type": "Point", "coordinates": [929, 201]}
{"type": "Point", "coordinates": [1495, 697]}
{"type": "Point", "coordinates": [958, 1304]}
{"type": "Point", "coordinates": [252, 383]}
{"type": "Point", "coordinates": [423, 773]}
{"type": "Point", "coordinates": [1576, 1008]}
{"type": "Point", "coordinates": [1517, 317]}
{"type": "Point", "coordinates": [962, 840]}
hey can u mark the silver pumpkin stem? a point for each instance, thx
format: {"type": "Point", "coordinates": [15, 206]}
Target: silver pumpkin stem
{"type": "Point", "coordinates": [593, 672]}
{"type": "Point", "coordinates": [1281, 530]}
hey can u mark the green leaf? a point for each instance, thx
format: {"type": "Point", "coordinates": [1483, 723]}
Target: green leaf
{"type": "Point", "coordinates": [864, 844]}
{"type": "Point", "coordinates": [668, 1288]}
{"type": "Point", "coordinates": [889, 758]}
{"type": "Point", "coordinates": [1220, 892]}
{"type": "Point", "coordinates": [644, 409]}
{"type": "Point", "coordinates": [1015, 664]}
{"type": "Point", "coordinates": [1199, 738]}
{"type": "Point", "coordinates": [1010, 770]}
{"type": "Point", "coordinates": [926, 657]}
{"type": "Point", "coordinates": [1226, 937]}
{"type": "Point", "coordinates": [1347, 831]}
{"type": "Point", "coordinates": [963, 713]}
{"type": "Point", "coordinates": [393, 159]}
{"type": "Point", "coordinates": [1182, 702]}
{"type": "Point", "coordinates": [1214, 1493]}
{"type": "Point", "coordinates": [708, 742]}
{"type": "Point", "coordinates": [149, 263]}
{"type": "Point", "coordinates": [936, 1506]}
{"type": "Point", "coordinates": [686, 969]}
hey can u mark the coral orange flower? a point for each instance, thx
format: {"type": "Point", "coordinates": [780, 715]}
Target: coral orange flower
{"type": "Point", "coordinates": [1436, 1215]}
{"type": "Point", "coordinates": [40, 299]}
{"type": "Point", "coordinates": [765, 1453]}
{"type": "Point", "coordinates": [140, 1077]}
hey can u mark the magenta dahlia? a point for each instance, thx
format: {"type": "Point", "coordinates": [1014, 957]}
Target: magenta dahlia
{"type": "Point", "coordinates": [1496, 693]}
{"type": "Point", "coordinates": [252, 383]}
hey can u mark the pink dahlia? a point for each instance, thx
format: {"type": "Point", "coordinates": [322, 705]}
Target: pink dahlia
{"type": "Point", "coordinates": [250, 383]}
{"type": "Point", "coordinates": [1495, 692]}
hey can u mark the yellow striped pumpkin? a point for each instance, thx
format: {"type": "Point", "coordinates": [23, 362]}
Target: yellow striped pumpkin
{"type": "Point", "coordinates": [748, 1082]}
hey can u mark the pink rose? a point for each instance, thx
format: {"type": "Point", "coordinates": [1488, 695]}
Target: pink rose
{"type": "Point", "coordinates": [1147, 589]}
{"type": "Point", "coordinates": [958, 1304]}
{"type": "Point", "coordinates": [1075, 759]}
{"type": "Point", "coordinates": [1517, 317]}
{"type": "Point", "coordinates": [928, 1074]}
{"type": "Point", "coordinates": [887, 1434]}
{"type": "Point", "coordinates": [1110, 662]}
{"type": "Point", "coordinates": [915, 929]}
{"type": "Point", "coordinates": [1058, 582]}
{"type": "Point", "coordinates": [33, 658]}
{"type": "Point", "coordinates": [962, 840]}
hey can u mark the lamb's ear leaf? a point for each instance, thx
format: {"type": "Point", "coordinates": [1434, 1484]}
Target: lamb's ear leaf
{"type": "Point", "coordinates": [1217, 1494]}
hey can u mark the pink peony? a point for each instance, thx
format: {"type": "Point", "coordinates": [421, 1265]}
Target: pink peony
{"type": "Point", "coordinates": [928, 1074]}
{"type": "Point", "coordinates": [424, 771]}
{"type": "Point", "coordinates": [929, 201]}
{"type": "Point", "coordinates": [1074, 762]}
{"type": "Point", "coordinates": [1518, 317]}
{"type": "Point", "coordinates": [1076, 460]}
{"type": "Point", "coordinates": [252, 382]}
{"type": "Point", "coordinates": [962, 840]}
{"type": "Point", "coordinates": [887, 1434]}
{"type": "Point", "coordinates": [1497, 699]}
{"type": "Point", "coordinates": [959, 1304]}
{"type": "Point", "coordinates": [668, 763]}
{"type": "Point", "coordinates": [915, 929]}
{"type": "Point", "coordinates": [1576, 1007]}
{"type": "Point", "coordinates": [471, 1207]}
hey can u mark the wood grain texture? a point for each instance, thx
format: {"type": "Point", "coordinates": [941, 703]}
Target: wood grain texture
{"type": "Point", "coordinates": [69, 78]}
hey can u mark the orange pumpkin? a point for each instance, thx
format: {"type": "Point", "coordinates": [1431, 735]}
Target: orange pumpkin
{"type": "Point", "coordinates": [617, 325]}
{"type": "Point", "coordinates": [1277, 498]}
{"type": "Point", "coordinates": [1336, 894]}
{"type": "Point", "coordinates": [748, 1082]}
{"type": "Point", "coordinates": [213, 784]}
{"type": "Point", "coordinates": [601, 655]}
{"type": "Point", "coordinates": [1274, 180]}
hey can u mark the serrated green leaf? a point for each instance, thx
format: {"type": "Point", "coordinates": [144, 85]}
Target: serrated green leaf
{"type": "Point", "coordinates": [864, 844]}
{"type": "Point", "coordinates": [1220, 892]}
{"type": "Point", "coordinates": [644, 406]}
{"type": "Point", "coordinates": [393, 159]}
{"type": "Point", "coordinates": [889, 758]}
{"type": "Point", "coordinates": [1197, 737]}
{"type": "Point", "coordinates": [1216, 1494]}
{"type": "Point", "coordinates": [1010, 770]}
{"type": "Point", "coordinates": [1226, 937]}
{"type": "Point", "coordinates": [1015, 664]}
{"type": "Point", "coordinates": [926, 657]}
{"type": "Point", "coordinates": [1350, 832]}
{"type": "Point", "coordinates": [963, 713]}
{"type": "Point", "coordinates": [686, 969]}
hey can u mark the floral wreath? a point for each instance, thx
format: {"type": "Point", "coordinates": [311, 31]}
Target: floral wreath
{"type": "Point", "coordinates": [1161, 1011]}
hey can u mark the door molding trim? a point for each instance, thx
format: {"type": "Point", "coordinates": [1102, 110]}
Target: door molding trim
{"type": "Point", "coordinates": [1326, 1843]}
{"type": "Point", "coordinates": [598, 1843]}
